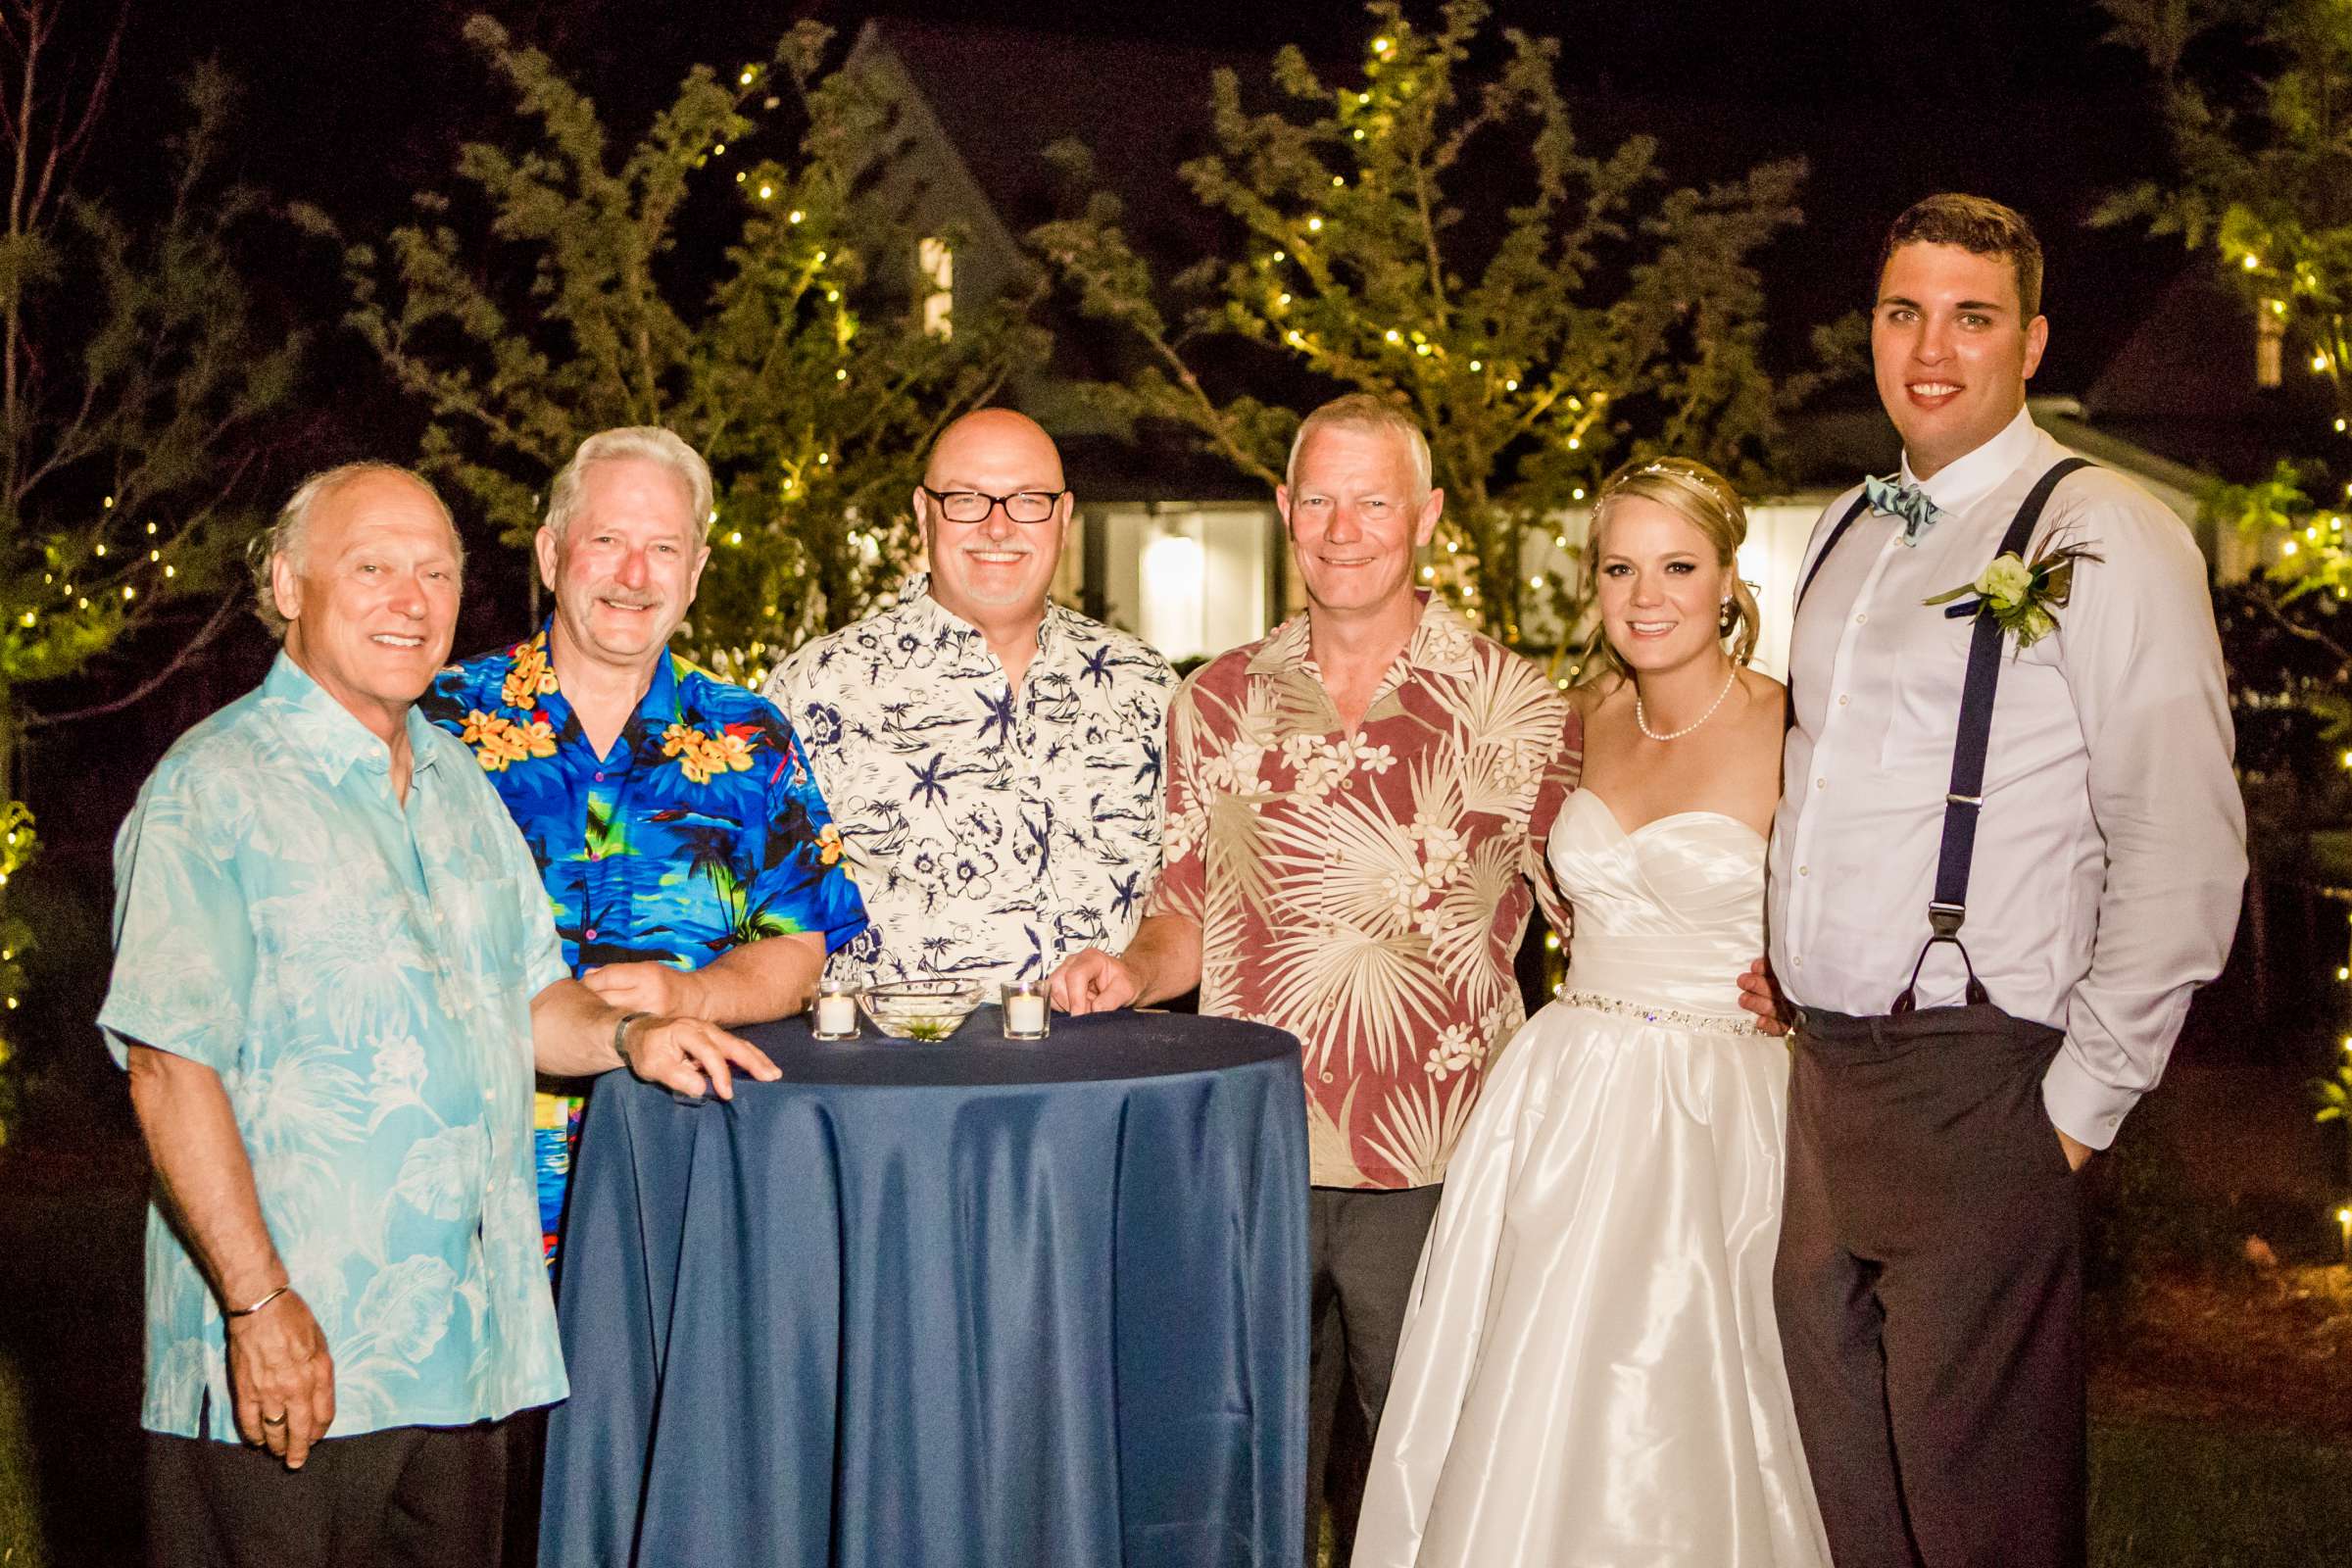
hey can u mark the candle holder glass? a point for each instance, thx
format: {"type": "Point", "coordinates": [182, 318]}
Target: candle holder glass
{"type": "Point", "coordinates": [833, 1013]}
{"type": "Point", "coordinates": [1028, 1013]}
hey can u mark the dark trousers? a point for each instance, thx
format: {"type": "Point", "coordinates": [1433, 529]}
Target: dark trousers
{"type": "Point", "coordinates": [427, 1497]}
{"type": "Point", "coordinates": [1362, 1247]}
{"type": "Point", "coordinates": [1930, 1291]}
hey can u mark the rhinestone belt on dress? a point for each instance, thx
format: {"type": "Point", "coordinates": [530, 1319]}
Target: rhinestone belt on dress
{"type": "Point", "coordinates": [1714, 1023]}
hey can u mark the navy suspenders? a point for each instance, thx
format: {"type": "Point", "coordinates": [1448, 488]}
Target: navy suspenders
{"type": "Point", "coordinates": [1948, 908]}
{"type": "Point", "coordinates": [1861, 505]}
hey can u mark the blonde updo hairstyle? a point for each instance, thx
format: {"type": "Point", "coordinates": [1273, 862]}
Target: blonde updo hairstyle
{"type": "Point", "coordinates": [1705, 500]}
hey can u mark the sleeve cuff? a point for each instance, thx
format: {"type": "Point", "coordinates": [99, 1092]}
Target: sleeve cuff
{"type": "Point", "coordinates": [125, 1027]}
{"type": "Point", "coordinates": [2080, 1106]}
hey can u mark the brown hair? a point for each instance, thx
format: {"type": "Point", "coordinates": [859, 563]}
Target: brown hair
{"type": "Point", "coordinates": [1980, 227]}
{"type": "Point", "coordinates": [1705, 500]}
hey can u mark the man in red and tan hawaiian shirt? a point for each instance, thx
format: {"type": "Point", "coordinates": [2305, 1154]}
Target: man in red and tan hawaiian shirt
{"type": "Point", "coordinates": [1358, 808]}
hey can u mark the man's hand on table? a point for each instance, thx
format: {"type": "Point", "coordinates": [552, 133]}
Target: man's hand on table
{"type": "Point", "coordinates": [1760, 995]}
{"type": "Point", "coordinates": [1090, 980]}
{"type": "Point", "coordinates": [691, 1057]}
{"type": "Point", "coordinates": [654, 987]}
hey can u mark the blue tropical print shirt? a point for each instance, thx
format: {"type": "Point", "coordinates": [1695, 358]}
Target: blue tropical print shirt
{"type": "Point", "coordinates": [359, 970]}
{"type": "Point", "coordinates": [701, 830]}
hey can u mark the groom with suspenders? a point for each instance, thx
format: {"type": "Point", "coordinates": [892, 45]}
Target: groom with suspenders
{"type": "Point", "coordinates": [2008, 849]}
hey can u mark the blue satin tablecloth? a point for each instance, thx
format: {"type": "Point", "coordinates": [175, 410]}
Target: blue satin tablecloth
{"type": "Point", "coordinates": [972, 1305]}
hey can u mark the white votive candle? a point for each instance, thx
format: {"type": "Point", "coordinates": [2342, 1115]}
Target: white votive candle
{"type": "Point", "coordinates": [837, 1014]}
{"type": "Point", "coordinates": [1024, 1013]}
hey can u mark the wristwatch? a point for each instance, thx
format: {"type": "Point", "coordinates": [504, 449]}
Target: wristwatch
{"type": "Point", "coordinates": [620, 1038]}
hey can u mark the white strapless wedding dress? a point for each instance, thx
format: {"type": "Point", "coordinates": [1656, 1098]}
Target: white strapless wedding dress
{"type": "Point", "coordinates": [1591, 1376]}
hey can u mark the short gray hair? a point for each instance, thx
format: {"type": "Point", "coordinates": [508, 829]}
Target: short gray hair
{"type": "Point", "coordinates": [289, 533]}
{"type": "Point", "coordinates": [1366, 412]}
{"type": "Point", "coordinates": [648, 442]}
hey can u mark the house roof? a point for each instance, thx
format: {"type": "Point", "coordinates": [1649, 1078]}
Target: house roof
{"type": "Point", "coordinates": [2183, 386]}
{"type": "Point", "coordinates": [1003, 97]}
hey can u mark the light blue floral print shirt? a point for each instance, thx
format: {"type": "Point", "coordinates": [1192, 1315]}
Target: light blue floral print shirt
{"type": "Point", "coordinates": [360, 973]}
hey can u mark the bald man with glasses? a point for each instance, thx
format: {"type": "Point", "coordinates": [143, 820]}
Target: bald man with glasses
{"type": "Point", "coordinates": [991, 759]}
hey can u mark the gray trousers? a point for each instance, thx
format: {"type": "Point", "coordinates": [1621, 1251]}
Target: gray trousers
{"type": "Point", "coordinates": [1362, 1247]}
{"type": "Point", "coordinates": [404, 1497]}
{"type": "Point", "coordinates": [1930, 1287]}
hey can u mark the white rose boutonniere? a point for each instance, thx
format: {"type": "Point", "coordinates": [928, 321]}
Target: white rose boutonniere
{"type": "Point", "coordinates": [2022, 597]}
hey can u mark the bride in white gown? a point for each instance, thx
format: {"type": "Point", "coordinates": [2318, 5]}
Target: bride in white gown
{"type": "Point", "coordinates": [1591, 1376]}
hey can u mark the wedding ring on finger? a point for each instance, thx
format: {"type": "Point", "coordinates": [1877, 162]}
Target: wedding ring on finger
{"type": "Point", "coordinates": [273, 1420]}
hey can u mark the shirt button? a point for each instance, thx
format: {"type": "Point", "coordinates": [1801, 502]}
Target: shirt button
{"type": "Point", "coordinates": [1804, 871]}
{"type": "Point", "coordinates": [1821, 783]}
{"type": "Point", "coordinates": [1327, 1075]}
{"type": "Point", "coordinates": [1797, 964]}
{"type": "Point", "coordinates": [600, 776]}
{"type": "Point", "coordinates": [1859, 619]}
{"type": "Point", "coordinates": [1842, 699]}
{"type": "Point", "coordinates": [590, 933]}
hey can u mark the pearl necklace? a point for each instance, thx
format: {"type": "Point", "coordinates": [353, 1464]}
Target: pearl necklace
{"type": "Point", "coordinates": [1641, 718]}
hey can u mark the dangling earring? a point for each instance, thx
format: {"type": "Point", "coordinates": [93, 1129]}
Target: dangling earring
{"type": "Point", "coordinates": [1726, 618]}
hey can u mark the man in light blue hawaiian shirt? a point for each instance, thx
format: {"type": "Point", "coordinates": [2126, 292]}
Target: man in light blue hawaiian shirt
{"type": "Point", "coordinates": [334, 973]}
{"type": "Point", "coordinates": [691, 864]}
{"type": "Point", "coordinates": [993, 760]}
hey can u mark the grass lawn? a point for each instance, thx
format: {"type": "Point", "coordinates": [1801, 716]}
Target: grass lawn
{"type": "Point", "coordinates": [20, 1503]}
{"type": "Point", "coordinates": [2167, 1494]}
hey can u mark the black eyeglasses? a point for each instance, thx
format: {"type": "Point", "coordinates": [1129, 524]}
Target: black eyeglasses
{"type": "Point", "coordinates": [972, 505]}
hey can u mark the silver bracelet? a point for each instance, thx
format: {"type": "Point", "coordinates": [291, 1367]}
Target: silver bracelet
{"type": "Point", "coordinates": [621, 1036]}
{"type": "Point", "coordinates": [248, 1311]}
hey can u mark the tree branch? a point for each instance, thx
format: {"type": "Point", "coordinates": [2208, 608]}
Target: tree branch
{"type": "Point", "coordinates": [230, 604]}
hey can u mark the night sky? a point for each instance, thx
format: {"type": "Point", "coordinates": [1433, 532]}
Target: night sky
{"type": "Point", "coordinates": [355, 106]}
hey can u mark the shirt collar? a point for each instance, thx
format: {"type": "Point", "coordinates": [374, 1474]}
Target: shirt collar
{"type": "Point", "coordinates": [331, 735]}
{"type": "Point", "coordinates": [1441, 643]}
{"type": "Point", "coordinates": [658, 706]}
{"type": "Point", "coordinates": [1962, 483]}
{"type": "Point", "coordinates": [917, 598]}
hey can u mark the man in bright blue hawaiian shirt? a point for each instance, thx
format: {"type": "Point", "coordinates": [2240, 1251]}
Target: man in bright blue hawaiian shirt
{"type": "Point", "coordinates": [332, 979]}
{"type": "Point", "coordinates": [690, 860]}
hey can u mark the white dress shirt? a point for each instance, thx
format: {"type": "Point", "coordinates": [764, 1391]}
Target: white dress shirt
{"type": "Point", "coordinates": [2110, 853]}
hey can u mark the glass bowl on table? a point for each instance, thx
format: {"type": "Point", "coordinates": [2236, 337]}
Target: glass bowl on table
{"type": "Point", "coordinates": [919, 1009]}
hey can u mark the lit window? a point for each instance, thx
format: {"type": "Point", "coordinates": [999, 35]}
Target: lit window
{"type": "Point", "coordinates": [935, 264]}
{"type": "Point", "coordinates": [2270, 332]}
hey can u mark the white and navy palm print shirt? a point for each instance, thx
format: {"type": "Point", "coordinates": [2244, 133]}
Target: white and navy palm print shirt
{"type": "Point", "coordinates": [992, 832]}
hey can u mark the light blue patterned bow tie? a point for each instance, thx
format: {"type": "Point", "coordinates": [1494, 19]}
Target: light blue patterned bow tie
{"type": "Point", "coordinates": [1905, 501]}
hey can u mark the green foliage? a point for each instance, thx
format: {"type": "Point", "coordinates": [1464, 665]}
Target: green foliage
{"type": "Point", "coordinates": [133, 381]}
{"type": "Point", "coordinates": [1594, 313]}
{"type": "Point", "coordinates": [2265, 159]}
{"type": "Point", "coordinates": [559, 295]}
{"type": "Point", "coordinates": [137, 384]}
{"type": "Point", "coordinates": [2263, 187]}
{"type": "Point", "coordinates": [2334, 1094]}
